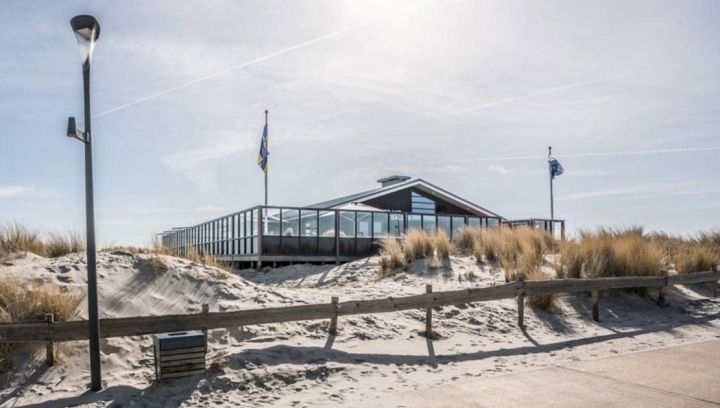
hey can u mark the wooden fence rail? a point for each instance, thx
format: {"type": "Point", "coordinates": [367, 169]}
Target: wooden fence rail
{"type": "Point", "coordinates": [50, 331]}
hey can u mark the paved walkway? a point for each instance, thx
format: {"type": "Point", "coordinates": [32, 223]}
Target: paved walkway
{"type": "Point", "coordinates": [681, 376]}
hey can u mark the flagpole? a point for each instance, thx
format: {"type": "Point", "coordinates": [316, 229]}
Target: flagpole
{"type": "Point", "coordinates": [266, 164]}
{"type": "Point", "coordinates": [552, 204]}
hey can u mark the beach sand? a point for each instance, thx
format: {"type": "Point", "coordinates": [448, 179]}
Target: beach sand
{"type": "Point", "coordinates": [300, 365]}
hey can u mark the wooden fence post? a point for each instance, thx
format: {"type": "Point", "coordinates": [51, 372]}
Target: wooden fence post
{"type": "Point", "coordinates": [50, 347]}
{"type": "Point", "coordinates": [428, 315]}
{"type": "Point", "coordinates": [205, 311]}
{"type": "Point", "coordinates": [521, 304]}
{"type": "Point", "coordinates": [595, 294]}
{"type": "Point", "coordinates": [333, 321]}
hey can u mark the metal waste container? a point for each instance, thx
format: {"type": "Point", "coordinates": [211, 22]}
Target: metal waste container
{"type": "Point", "coordinates": [179, 354]}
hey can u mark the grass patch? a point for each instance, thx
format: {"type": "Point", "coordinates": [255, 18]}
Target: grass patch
{"type": "Point", "coordinates": [417, 244]}
{"type": "Point", "coordinates": [16, 238]}
{"type": "Point", "coordinates": [20, 303]}
{"type": "Point", "coordinates": [442, 245]}
{"type": "Point", "coordinates": [391, 256]}
{"type": "Point", "coordinates": [545, 301]}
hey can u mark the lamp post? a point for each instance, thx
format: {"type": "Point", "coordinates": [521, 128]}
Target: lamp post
{"type": "Point", "coordinates": [87, 31]}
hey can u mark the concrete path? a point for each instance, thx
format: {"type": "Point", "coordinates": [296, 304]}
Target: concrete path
{"type": "Point", "coordinates": [682, 376]}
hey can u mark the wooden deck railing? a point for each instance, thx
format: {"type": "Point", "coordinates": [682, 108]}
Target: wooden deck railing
{"type": "Point", "coordinates": [50, 331]}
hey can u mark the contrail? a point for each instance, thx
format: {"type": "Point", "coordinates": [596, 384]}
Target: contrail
{"type": "Point", "coordinates": [525, 96]}
{"type": "Point", "coordinates": [243, 65]}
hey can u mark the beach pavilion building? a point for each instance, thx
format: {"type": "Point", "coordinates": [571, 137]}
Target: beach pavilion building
{"type": "Point", "coordinates": [338, 230]}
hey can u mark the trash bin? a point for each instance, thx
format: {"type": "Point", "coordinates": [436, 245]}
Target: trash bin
{"type": "Point", "coordinates": [179, 354]}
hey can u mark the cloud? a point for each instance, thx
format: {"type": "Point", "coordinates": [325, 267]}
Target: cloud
{"type": "Point", "coordinates": [15, 191]}
{"type": "Point", "coordinates": [196, 164]}
{"type": "Point", "coordinates": [498, 169]}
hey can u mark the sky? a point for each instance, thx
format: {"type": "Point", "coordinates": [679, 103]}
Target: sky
{"type": "Point", "coordinates": [466, 94]}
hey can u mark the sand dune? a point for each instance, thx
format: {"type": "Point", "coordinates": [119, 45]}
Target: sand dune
{"type": "Point", "coordinates": [298, 364]}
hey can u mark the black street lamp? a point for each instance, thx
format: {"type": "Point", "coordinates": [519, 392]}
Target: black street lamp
{"type": "Point", "coordinates": [87, 31]}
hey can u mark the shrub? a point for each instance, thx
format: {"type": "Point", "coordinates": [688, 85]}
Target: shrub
{"type": "Point", "coordinates": [417, 244]}
{"type": "Point", "coordinates": [442, 245]}
{"type": "Point", "coordinates": [391, 256]}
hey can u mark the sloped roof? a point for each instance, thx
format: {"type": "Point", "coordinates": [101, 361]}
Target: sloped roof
{"type": "Point", "coordinates": [417, 183]}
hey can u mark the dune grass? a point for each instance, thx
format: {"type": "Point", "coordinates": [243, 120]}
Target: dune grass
{"type": "Point", "coordinates": [417, 244]}
{"type": "Point", "coordinates": [545, 301]}
{"type": "Point", "coordinates": [391, 256]}
{"type": "Point", "coordinates": [20, 303]}
{"type": "Point", "coordinates": [611, 252]}
{"type": "Point", "coordinates": [442, 245]}
{"type": "Point", "coordinates": [16, 238]}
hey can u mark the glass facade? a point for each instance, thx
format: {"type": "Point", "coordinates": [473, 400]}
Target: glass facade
{"type": "Point", "coordinates": [317, 232]}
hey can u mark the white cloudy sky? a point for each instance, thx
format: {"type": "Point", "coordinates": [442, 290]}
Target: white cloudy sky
{"type": "Point", "coordinates": [466, 94]}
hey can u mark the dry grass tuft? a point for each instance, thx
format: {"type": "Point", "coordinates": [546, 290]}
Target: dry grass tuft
{"type": "Point", "coordinates": [696, 258]}
{"type": "Point", "coordinates": [62, 244]}
{"type": "Point", "coordinates": [417, 244]}
{"type": "Point", "coordinates": [17, 238]}
{"type": "Point", "coordinates": [19, 304]}
{"type": "Point", "coordinates": [608, 252]}
{"type": "Point", "coordinates": [391, 256]}
{"type": "Point", "coordinates": [154, 263]}
{"type": "Point", "coordinates": [442, 245]}
{"type": "Point", "coordinates": [544, 301]}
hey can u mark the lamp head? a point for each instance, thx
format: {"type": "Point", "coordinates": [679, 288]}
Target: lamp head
{"type": "Point", "coordinates": [87, 32]}
{"type": "Point", "coordinates": [71, 129]}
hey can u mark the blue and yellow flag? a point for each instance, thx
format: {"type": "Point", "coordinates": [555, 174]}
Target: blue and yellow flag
{"type": "Point", "coordinates": [262, 159]}
{"type": "Point", "coordinates": [556, 168]}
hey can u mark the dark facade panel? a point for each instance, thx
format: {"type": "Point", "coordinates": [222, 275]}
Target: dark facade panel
{"type": "Point", "coordinates": [401, 201]}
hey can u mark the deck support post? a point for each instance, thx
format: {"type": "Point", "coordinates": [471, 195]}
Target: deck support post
{"type": "Point", "coordinates": [50, 347]}
{"type": "Point", "coordinates": [333, 320]}
{"type": "Point", "coordinates": [595, 294]}
{"type": "Point", "coordinates": [428, 315]}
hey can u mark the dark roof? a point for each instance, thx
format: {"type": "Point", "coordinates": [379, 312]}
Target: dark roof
{"type": "Point", "coordinates": [419, 183]}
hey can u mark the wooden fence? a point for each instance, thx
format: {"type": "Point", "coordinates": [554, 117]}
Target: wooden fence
{"type": "Point", "coordinates": [50, 331]}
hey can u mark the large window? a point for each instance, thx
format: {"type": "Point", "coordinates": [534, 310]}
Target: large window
{"type": "Point", "coordinates": [272, 221]}
{"type": "Point", "coordinates": [309, 223]}
{"type": "Point", "coordinates": [396, 225]}
{"type": "Point", "coordinates": [444, 224]}
{"type": "Point", "coordinates": [457, 224]}
{"type": "Point", "coordinates": [347, 224]}
{"type": "Point", "coordinates": [380, 225]}
{"type": "Point", "coordinates": [327, 223]}
{"type": "Point", "coordinates": [363, 224]}
{"type": "Point", "coordinates": [290, 220]}
{"type": "Point", "coordinates": [421, 204]}
{"type": "Point", "coordinates": [429, 223]}
{"type": "Point", "coordinates": [414, 221]}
